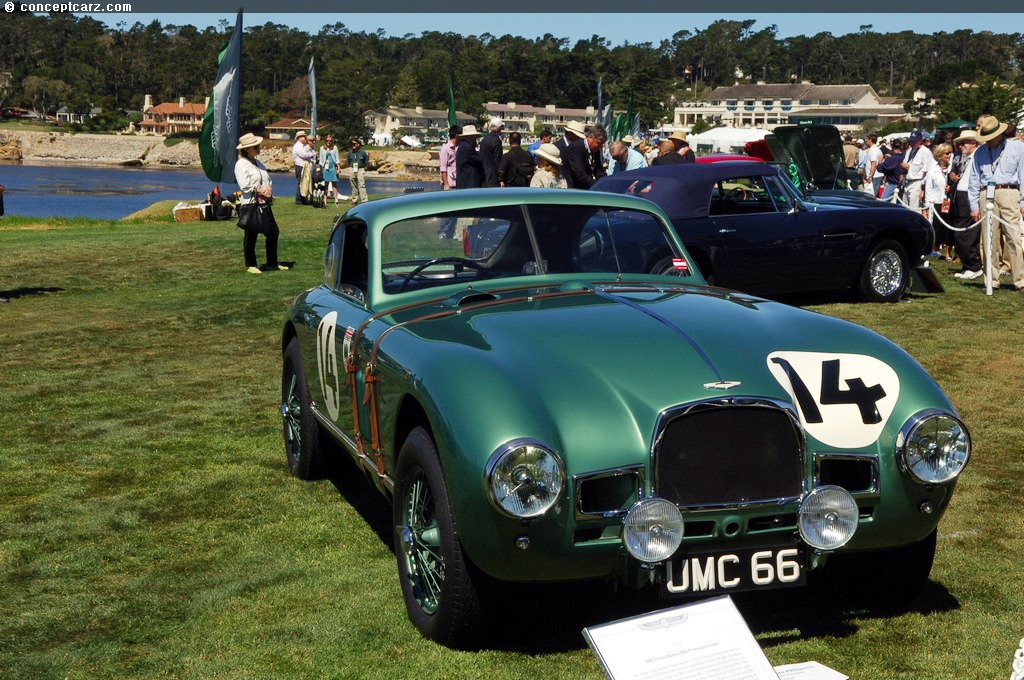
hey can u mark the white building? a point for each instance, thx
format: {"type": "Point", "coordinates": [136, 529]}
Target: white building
{"type": "Point", "coordinates": [768, 105]}
{"type": "Point", "coordinates": [431, 124]}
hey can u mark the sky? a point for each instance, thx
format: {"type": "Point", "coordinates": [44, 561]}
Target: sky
{"type": "Point", "coordinates": [617, 28]}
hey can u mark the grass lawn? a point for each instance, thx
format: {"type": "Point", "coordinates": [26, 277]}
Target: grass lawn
{"type": "Point", "coordinates": [151, 529]}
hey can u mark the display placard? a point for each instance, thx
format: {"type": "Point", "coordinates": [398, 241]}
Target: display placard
{"type": "Point", "coordinates": [706, 640]}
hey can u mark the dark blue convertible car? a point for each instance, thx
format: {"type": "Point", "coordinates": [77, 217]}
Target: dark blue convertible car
{"type": "Point", "coordinates": [750, 229]}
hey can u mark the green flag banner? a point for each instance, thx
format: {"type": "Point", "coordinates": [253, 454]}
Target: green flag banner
{"type": "Point", "coordinates": [220, 132]}
{"type": "Point", "coordinates": [452, 118]}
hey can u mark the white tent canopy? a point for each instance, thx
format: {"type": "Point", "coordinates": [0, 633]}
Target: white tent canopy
{"type": "Point", "coordinates": [724, 139]}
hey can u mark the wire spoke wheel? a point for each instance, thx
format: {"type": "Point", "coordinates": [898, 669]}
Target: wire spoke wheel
{"type": "Point", "coordinates": [302, 437]}
{"type": "Point", "coordinates": [440, 595]}
{"type": "Point", "coordinates": [886, 273]}
{"type": "Point", "coordinates": [291, 412]}
{"type": "Point", "coordinates": [425, 562]}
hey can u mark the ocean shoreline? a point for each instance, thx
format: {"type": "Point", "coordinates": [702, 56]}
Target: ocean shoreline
{"type": "Point", "coordinates": [150, 151]}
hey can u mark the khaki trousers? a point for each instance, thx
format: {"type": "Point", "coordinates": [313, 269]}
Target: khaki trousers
{"type": "Point", "coordinates": [1007, 208]}
{"type": "Point", "coordinates": [359, 185]}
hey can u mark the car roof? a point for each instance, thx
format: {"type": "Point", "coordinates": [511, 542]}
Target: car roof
{"type": "Point", "coordinates": [682, 190]}
{"type": "Point", "coordinates": [380, 213]}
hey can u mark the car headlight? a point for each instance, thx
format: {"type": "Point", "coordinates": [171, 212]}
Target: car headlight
{"type": "Point", "coordinates": [933, 447]}
{"type": "Point", "coordinates": [525, 478]}
{"type": "Point", "coordinates": [652, 529]}
{"type": "Point", "coordinates": [828, 518]}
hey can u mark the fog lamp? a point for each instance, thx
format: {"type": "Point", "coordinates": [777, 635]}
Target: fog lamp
{"type": "Point", "coordinates": [828, 518]}
{"type": "Point", "coordinates": [652, 529]}
{"type": "Point", "coordinates": [933, 447]}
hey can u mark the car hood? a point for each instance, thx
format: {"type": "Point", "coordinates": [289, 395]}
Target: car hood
{"type": "Point", "coordinates": [619, 358]}
{"type": "Point", "coordinates": [816, 151]}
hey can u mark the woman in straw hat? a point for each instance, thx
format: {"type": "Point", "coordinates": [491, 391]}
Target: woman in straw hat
{"type": "Point", "coordinates": [255, 216]}
{"type": "Point", "coordinates": [549, 168]}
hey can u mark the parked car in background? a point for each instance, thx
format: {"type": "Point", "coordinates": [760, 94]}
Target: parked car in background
{"type": "Point", "coordinates": [749, 229]}
{"type": "Point", "coordinates": [573, 402]}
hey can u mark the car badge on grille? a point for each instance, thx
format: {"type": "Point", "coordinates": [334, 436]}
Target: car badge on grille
{"type": "Point", "coordinates": [722, 385]}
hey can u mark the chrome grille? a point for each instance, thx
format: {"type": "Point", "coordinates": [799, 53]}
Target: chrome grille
{"type": "Point", "coordinates": [728, 453]}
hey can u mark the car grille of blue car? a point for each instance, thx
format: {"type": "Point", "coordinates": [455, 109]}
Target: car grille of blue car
{"type": "Point", "coordinates": [729, 455]}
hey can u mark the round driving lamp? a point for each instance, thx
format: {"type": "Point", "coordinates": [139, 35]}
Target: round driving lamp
{"type": "Point", "coordinates": [652, 529]}
{"type": "Point", "coordinates": [525, 478]}
{"type": "Point", "coordinates": [933, 447]}
{"type": "Point", "coordinates": [828, 518]}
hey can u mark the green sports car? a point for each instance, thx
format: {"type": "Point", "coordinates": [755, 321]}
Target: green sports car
{"type": "Point", "coordinates": [546, 389]}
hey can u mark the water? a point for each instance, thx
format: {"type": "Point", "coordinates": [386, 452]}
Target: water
{"type": "Point", "coordinates": [36, 189]}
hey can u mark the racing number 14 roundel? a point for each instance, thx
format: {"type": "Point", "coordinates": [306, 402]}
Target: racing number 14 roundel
{"type": "Point", "coordinates": [844, 400]}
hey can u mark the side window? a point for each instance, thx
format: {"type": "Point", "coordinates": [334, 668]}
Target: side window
{"type": "Point", "coordinates": [624, 241]}
{"type": "Point", "coordinates": [349, 241]}
{"type": "Point", "coordinates": [783, 201]}
{"type": "Point", "coordinates": [741, 196]}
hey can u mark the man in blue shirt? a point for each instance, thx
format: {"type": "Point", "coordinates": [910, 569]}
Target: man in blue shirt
{"type": "Point", "coordinates": [625, 158]}
{"type": "Point", "coordinates": [1000, 162]}
{"type": "Point", "coordinates": [545, 138]}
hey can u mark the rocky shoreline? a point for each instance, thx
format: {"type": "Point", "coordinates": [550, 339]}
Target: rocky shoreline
{"type": "Point", "coordinates": [149, 150]}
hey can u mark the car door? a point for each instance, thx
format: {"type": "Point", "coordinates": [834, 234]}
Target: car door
{"type": "Point", "coordinates": [770, 242]}
{"type": "Point", "coordinates": [339, 311]}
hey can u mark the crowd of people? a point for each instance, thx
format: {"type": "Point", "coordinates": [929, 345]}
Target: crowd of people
{"type": "Point", "coordinates": [471, 159]}
{"type": "Point", "coordinates": [944, 178]}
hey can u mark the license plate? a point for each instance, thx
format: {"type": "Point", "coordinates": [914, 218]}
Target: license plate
{"type": "Point", "coordinates": [748, 569]}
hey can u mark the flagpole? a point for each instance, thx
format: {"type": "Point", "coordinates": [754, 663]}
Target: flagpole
{"type": "Point", "coordinates": [311, 73]}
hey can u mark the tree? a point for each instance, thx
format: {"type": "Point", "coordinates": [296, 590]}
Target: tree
{"type": "Point", "coordinates": [407, 91]}
{"type": "Point", "coordinates": [1002, 100]}
{"type": "Point", "coordinates": [45, 93]}
{"type": "Point", "coordinates": [700, 126]}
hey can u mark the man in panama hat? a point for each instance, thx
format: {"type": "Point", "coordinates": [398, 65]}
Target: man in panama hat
{"type": "Point", "coordinates": [1000, 162]}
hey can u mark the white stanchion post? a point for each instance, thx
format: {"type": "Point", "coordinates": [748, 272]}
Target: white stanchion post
{"type": "Point", "coordinates": [990, 206]}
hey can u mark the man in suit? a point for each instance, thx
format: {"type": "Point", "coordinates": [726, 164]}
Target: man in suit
{"type": "Point", "coordinates": [469, 171]}
{"type": "Point", "coordinates": [490, 152]}
{"type": "Point", "coordinates": [667, 155]}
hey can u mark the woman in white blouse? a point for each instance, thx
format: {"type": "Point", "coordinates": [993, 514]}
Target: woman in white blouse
{"type": "Point", "coordinates": [935, 194]}
{"type": "Point", "coordinates": [255, 216]}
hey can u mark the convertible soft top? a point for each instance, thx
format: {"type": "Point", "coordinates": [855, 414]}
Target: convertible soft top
{"type": "Point", "coordinates": [682, 191]}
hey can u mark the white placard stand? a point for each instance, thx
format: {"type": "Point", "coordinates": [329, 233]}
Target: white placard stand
{"type": "Point", "coordinates": [706, 640]}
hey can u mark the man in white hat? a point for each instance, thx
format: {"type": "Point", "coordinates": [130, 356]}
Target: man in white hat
{"type": "Point", "coordinates": [967, 238]}
{"type": "Point", "coordinates": [469, 171]}
{"type": "Point", "coordinates": [491, 151]}
{"type": "Point", "coordinates": [682, 147]}
{"type": "Point", "coordinates": [302, 153]}
{"type": "Point", "coordinates": [576, 157]}
{"type": "Point", "coordinates": [1000, 162]}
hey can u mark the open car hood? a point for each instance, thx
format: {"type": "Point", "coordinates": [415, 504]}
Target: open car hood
{"type": "Point", "coordinates": [815, 152]}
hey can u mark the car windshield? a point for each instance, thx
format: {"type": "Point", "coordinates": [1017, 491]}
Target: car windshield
{"type": "Point", "coordinates": [524, 240]}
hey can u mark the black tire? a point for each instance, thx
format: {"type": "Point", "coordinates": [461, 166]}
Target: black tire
{"type": "Point", "coordinates": [440, 596]}
{"type": "Point", "coordinates": [886, 273]}
{"type": "Point", "coordinates": [302, 436]}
